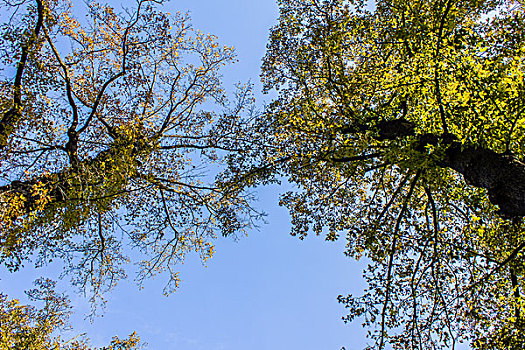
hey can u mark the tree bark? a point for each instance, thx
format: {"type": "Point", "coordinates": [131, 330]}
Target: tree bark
{"type": "Point", "coordinates": [500, 174]}
{"type": "Point", "coordinates": [58, 184]}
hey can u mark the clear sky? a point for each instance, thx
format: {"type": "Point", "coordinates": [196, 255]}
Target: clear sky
{"type": "Point", "coordinates": [266, 291]}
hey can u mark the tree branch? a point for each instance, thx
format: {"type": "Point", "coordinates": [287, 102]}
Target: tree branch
{"type": "Point", "coordinates": [12, 116]}
{"type": "Point", "coordinates": [391, 258]}
{"type": "Point", "coordinates": [500, 174]}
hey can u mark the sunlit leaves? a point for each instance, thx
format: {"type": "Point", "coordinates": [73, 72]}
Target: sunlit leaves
{"type": "Point", "coordinates": [30, 328]}
{"type": "Point", "coordinates": [371, 99]}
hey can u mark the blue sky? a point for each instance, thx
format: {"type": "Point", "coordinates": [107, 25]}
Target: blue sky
{"type": "Point", "coordinates": [265, 291]}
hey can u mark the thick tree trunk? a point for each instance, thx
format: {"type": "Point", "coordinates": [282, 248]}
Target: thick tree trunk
{"type": "Point", "coordinates": [56, 190]}
{"type": "Point", "coordinates": [500, 174]}
{"type": "Point", "coordinates": [60, 183]}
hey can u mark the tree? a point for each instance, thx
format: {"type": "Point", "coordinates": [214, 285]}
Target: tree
{"type": "Point", "coordinates": [24, 327]}
{"type": "Point", "coordinates": [105, 142]}
{"type": "Point", "coordinates": [107, 150]}
{"type": "Point", "coordinates": [402, 127]}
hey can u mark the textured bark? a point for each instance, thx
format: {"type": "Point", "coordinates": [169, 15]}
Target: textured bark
{"type": "Point", "coordinates": [501, 174]}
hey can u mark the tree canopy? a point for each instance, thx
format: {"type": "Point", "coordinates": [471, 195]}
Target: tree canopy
{"type": "Point", "coordinates": [112, 127]}
{"type": "Point", "coordinates": [25, 327]}
{"type": "Point", "coordinates": [401, 124]}
{"type": "Point", "coordinates": [104, 130]}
